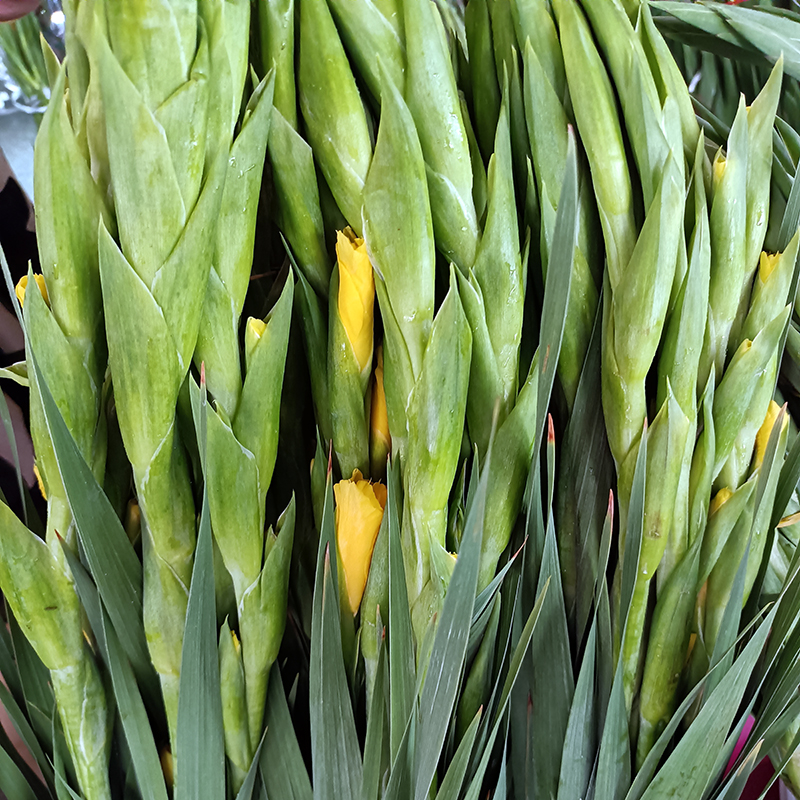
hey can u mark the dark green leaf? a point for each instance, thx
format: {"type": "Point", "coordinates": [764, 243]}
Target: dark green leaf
{"type": "Point", "coordinates": [110, 554]}
{"type": "Point", "coordinates": [456, 772]}
{"type": "Point", "coordinates": [401, 640]}
{"type": "Point", "coordinates": [246, 791]}
{"type": "Point", "coordinates": [138, 733]}
{"type": "Point", "coordinates": [375, 737]}
{"type": "Point", "coordinates": [556, 290]}
{"type": "Point", "coordinates": [5, 414]}
{"type": "Point", "coordinates": [552, 684]}
{"type": "Point", "coordinates": [200, 746]}
{"type": "Point", "coordinates": [450, 646]}
{"type": "Point", "coordinates": [283, 771]}
{"type": "Point", "coordinates": [580, 737]}
{"type": "Point", "coordinates": [614, 760]}
{"type": "Point", "coordinates": [16, 783]}
{"type": "Point", "coordinates": [690, 766]}
{"type": "Point", "coordinates": [335, 754]}
{"type": "Point", "coordinates": [26, 733]}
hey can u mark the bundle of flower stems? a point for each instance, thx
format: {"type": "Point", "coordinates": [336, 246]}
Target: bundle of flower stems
{"type": "Point", "coordinates": [522, 314]}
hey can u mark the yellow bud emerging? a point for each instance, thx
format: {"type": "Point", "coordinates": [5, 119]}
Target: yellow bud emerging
{"type": "Point", "coordinates": [762, 437]}
{"type": "Point", "coordinates": [721, 497]}
{"type": "Point", "coordinates": [237, 645]}
{"type": "Point", "coordinates": [256, 326]}
{"type": "Point", "coordinates": [720, 162]}
{"type": "Point", "coordinates": [133, 521]}
{"type": "Point", "coordinates": [167, 766]}
{"type": "Point", "coordinates": [359, 511]}
{"type": "Point", "coordinates": [768, 263]}
{"type": "Point", "coordinates": [39, 481]}
{"type": "Point", "coordinates": [20, 288]}
{"type": "Point", "coordinates": [380, 440]}
{"type": "Point", "coordinates": [356, 294]}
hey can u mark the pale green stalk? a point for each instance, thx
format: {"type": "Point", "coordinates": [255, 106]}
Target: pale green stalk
{"type": "Point", "coordinates": [334, 115]}
{"type": "Point", "coordinates": [426, 359]}
{"type": "Point", "coordinates": [38, 587]}
{"type": "Point", "coordinates": [432, 98]}
{"type": "Point", "coordinates": [178, 120]}
{"type": "Point", "coordinates": [276, 40]}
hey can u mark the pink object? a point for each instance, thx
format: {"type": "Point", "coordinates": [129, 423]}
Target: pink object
{"type": "Point", "coordinates": [760, 776]}
{"type": "Point", "coordinates": [14, 9]}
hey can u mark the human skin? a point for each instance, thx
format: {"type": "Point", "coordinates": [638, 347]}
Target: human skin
{"type": "Point", "coordinates": [14, 9]}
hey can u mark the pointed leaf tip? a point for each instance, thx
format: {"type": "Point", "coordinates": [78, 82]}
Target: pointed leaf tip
{"type": "Point", "coordinates": [551, 434]}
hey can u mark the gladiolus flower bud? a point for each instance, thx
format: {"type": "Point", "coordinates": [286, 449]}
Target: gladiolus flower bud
{"type": "Point", "coordinates": [20, 288]}
{"type": "Point", "coordinates": [380, 440]}
{"type": "Point", "coordinates": [356, 294]}
{"type": "Point", "coordinates": [762, 437]}
{"type": "Point", "coordinates": [252, 335]}
{"type": "Point", "coordinates": [359, 511]}
{"type": "Point", "coordinates": [767, 263]}
{"type": "Point", "coordinates": [719, 500]}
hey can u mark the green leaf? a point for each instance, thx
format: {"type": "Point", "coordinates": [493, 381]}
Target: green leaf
{"type": "Point", "coordinates": [580, 743]}
{"type": "Point", "coordinates": [298, 210]}
{"type": "Point", "coordinates": [508, 685]}
{"type": "Point", "coordinates": [138, 732]}
{"type": "Point", "coordinates": [110, 554]}
{"type": "Point", "coordinates": [335, 752]}
{"type": "Point", "coordinates": [689, 768]}
{"type": "Point", "coordinates": [374, 740]}
{"type": "Point", "coordinates": [246, 791]}
{"type": "Point", "coordinates": [552, 683]}
{"type": "Point", "coordinates": [13, 782]}
{"type": "Point", "coordinates": [63, 789]}
{"type": "Point", "coordinates": [200, 746]}
{"type": "Point", "coordinates": [332, 109]}
{"type": "Point", "coordinates": [556, 290]}
{"type": "Point", "coordinates": [449, 647]}
{"type": "Point", "coordinates": [5, 414]}
{"type": "Point", "coordinates": [26, 733]}
{"type": "Point", "coordinates": [614, 760]}
{"type": "Point", "coordinates": [456, 772]}
{"type": "Point", "coordinates": [150, 216]}
{"type": "Point", "coordinates": [34, 677]}
{"type": "Point", "coordinates": [401, 638]}
{"type": "Point", "coordinates": [281, 766]}
{"type": "Point", "coordinates": [398, 229]}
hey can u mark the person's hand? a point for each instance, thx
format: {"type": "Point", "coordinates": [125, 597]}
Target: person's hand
{"type": "Point", "coordinates": [14, 9]}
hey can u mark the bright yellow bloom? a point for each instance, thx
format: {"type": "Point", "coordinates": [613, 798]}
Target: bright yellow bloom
{"type": "Point", "coordinates": [356, 294]}
{"type": "Point", "coordinates": [720, 162]}
{"type": "Point", "coordinates": [359, 511]}
{"type": "Point", "coordinates": [39, 481]}
{"type": "Point", "coordinates": [762, 437]}
{"type": "Point", "coordinates": [167, 766]}
{"type": "Point", "coordinates": [768, 263]}
{"type": "Point", "coordinates": [380, 440]}
{"type": "Point", "coordinates": [20, 288]}
{"type": "Point", "coordinates": [252, 335]}
{"type": "Point", "coordinates": [720, 498]}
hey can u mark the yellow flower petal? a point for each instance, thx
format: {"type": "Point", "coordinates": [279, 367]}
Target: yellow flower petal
{"type": "Point", "coordinates": [359, 511]}
{"type": "Point", "coordinates": [22, 285]}
{"type": "Point", "coordinates": [720, 498]}
{"type": "Point", "coordinates": [762, 437]}
{"type": "Point", "coordinates": [720, 163]}
{"type": "Point", "coordinates": [767, 263]}
{"type": "Point", "coordinates": [379, 417]}
{"type": "Point", "coordinates": [39, 481]}
{"type": "Point", "coordinates": [356, 294]}
{"type": "Point", "coordinates": [252, 335]}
